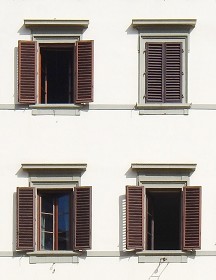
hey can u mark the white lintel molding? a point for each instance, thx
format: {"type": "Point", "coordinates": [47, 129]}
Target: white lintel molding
{"type": "Point", "coordinates": [43, 23]}
{"type": "Point", "coordinates": [53, 166]}
{"type": "Point", "coordinates": [164, 166]}
{"type": "Point", "coordinates": [187, 24]}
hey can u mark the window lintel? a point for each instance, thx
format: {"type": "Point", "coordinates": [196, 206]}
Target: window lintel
{"type": "Point", "coordinates": [160, 168]}
{"type": "Point", "coordinates": [55, 23]}
{"type": "Point", "coordinates": [185, 25]}
{"type": "Point", "coordinates": [49, 166]}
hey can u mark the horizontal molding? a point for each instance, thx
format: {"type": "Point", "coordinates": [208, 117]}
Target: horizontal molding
{"type": "Point", "coordinates": [93, 106]}
{"type": "Point", "coordinates": [44, 23]}
{"type": "Point", "coordinates": [161, 23]}
{"type": "Point", "coordinates": [113, 253]}
{"type": "Point", "coordinates": [49, 166]}
{"type": "Point", "coordinates": [161, 166]}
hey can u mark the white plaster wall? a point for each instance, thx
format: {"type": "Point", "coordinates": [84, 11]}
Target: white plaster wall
{"type": "Point", "coordinates": [109, 141]}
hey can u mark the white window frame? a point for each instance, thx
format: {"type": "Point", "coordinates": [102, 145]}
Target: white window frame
{"type": "Point", "coordinates": [55, 32]}
{"type": "Point", "coordinates": [166, 30]}
{"type": "Point", "coordinates": [162, 176]}
{"type": "Point", "coordinates": [53, 177]}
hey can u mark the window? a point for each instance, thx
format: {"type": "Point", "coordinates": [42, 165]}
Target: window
{"type": "Point", "coordinates": [163, 51]}
{"type": "Point", "coordinates": [53, 213]}
{"type": "Point", "coordinates": [64, 65]}
{"type": "Point", "coordinates": [163, 212]}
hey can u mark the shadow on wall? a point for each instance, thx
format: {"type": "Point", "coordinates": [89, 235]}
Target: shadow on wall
{"type": "Point", "coordinates": [122, 223]}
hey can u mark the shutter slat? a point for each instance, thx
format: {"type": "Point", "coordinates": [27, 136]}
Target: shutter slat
{"type": "Point", "coordinates": [25, 219]}
{"type": "Point", "coordinates": [84, 72]}
{"type": "Point", "coordinates": [82, 209]}
{"type": "Point", "coordinates": [27, 72]}
{"type": "Point", "coordinates": [191, 218]}
{"type": "Point", "coordinates": [134, 217]}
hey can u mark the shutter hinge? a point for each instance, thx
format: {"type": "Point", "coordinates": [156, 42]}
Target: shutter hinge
{"type": "Point", "coordinates": [182, 50]}
{"type": "Point", "coordinates": [182, 96]}
{"type": "Point", "coordinates": [182, 73]}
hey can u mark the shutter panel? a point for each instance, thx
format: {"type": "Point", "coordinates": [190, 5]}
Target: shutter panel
{"type": "Point", "coordinates": [173, 72]}
{"type": "Point", "coordinates": [27, 72]}
{"type": "Point", "coordinates": [191, 218]}
{"type": "Point", "coordinates": [84, 72]}
{"type": "Point", "coordinates": [82, 209]}
{"type": "Point", "coordinates": [154, 72]}
{"type": "Point", "coordinates": [25, 219]}
{"type": "Point", "coordinates": [134, 217]}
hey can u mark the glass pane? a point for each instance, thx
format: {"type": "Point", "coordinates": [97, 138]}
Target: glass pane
{"type": "Point", "coordinates": [46, 241]}
{"type": "Point", "coordinates": [63, 222]}
{"type": "Point", "coordinates": [47, 203]}
{"type": "Point", "coordinates": [47, 221]}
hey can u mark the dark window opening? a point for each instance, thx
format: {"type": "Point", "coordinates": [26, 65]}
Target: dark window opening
{"type": "Point", "coordinates": [163, 219]}
{"type": "Point", "coordinates": [55, 227]}
{"type": "Point", "coordinates": [57, 67]}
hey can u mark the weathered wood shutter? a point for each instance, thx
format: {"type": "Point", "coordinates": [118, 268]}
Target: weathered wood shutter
{"type": "Point", "coordinates": [191, 218]}
{"type": "Point", "coordinates": [84, 60]}
{"type": "Point", "coordinates": [82, 212]}
{"type": "Point", "coordinates": [134, 217]}
{"type": "Point", "coordinates": [27, 72]}
{"type": "Point", "coordinates": [164, 72]}
{"type": "Point", "coordinates": [25, 219]}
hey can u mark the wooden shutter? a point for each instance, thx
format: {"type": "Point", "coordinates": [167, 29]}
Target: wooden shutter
{"type": "Point", "coordinates": [164, 72]}
{"type": "Point", "coordinates": [191, 218]}
{"type": "Point", "coordinates": [25, 219]}
{"type": "Point", "coordinates": [27, 72]}
{"type": "Point", "coordinates": [154, 68]}
{"type": "Point", "coordinates": [134, 217]}
{"type": "Point", "coordinates": [173, 72]}
{"type": "Point", "coordinates": [84, 72]}
{"type": "Point", "coordinates": [82, 209]}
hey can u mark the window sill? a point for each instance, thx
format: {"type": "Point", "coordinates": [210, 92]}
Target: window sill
{"type": "Point", "coordinates": [163, 109]}
{"type": "Point", "coordinates": [56, 109]}
{"type": "Point", "coordinates": [162, 256]}
{"type": "Point", "coordinates": [53, 257]}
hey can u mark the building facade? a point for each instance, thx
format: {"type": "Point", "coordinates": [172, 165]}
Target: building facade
{"type": "Point", "coordinates": [107, 139]}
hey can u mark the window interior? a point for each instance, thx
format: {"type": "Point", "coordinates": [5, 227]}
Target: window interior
{"type": "Point", "coordinates": [57, 66]}
{"type": "Point", "coordinates": [55, 220]}
{"type": "Point", "coordinates": [163, 208]}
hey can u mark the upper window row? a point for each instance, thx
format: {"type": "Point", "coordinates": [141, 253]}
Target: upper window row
{"type": "Point", "coordinates": [53, 71]}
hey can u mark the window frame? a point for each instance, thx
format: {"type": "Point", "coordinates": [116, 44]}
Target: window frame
{"type": "Point", "coordinates": [163, 30]}
{"type": "Point", "coordinates": [55, 178]}
{"type": "Point", "coordinates": [57, 32]}
{"type": "Point", "coordinates": [158, 177]}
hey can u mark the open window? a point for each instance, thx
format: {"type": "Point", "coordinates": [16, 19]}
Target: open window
{"type": "Point", "coordinates": [54, 213]}
{"type": "Point", "coordinates": [55, 68]}
{"type": "Point", "coordinates": [163, 211]}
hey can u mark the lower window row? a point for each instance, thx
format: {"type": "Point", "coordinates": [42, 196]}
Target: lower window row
{"type": "Point", "coordinates": [156, 218]}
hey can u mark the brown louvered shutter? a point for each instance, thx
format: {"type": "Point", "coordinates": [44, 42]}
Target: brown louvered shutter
{"type": "Point", "coordinates": [27, 72]}
{"type": "Point", "coordinates": [84, 71]}
{"type": "Point", "coordinates": [82, 211]}
{"type": "Point", "coordinates": [134, 217]}
{"type": "Point", "coordinates": [191, 218]}
{"type": "Point", "coordinates": [25, 219]}
{"type": "Point", "coordinates": [164, 72]}
{"type": "Point", "coordinates": [173, 72]}
{"type": "Point", "coordinates": [154, 69]}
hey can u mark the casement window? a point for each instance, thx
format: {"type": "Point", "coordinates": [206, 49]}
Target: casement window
{"type": "Point", "coordinates": [56, 67]}
{"type": "Point", "coordinates": [163, 212]}
{"type": "Point", "coordinates": [163, 219]}
{"type": "Point", "coordinates": [53, 215]}
{"type": "Point", "coordinates": [63, 219]}
{"type": "Point", "coordinates": [163, 65]}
